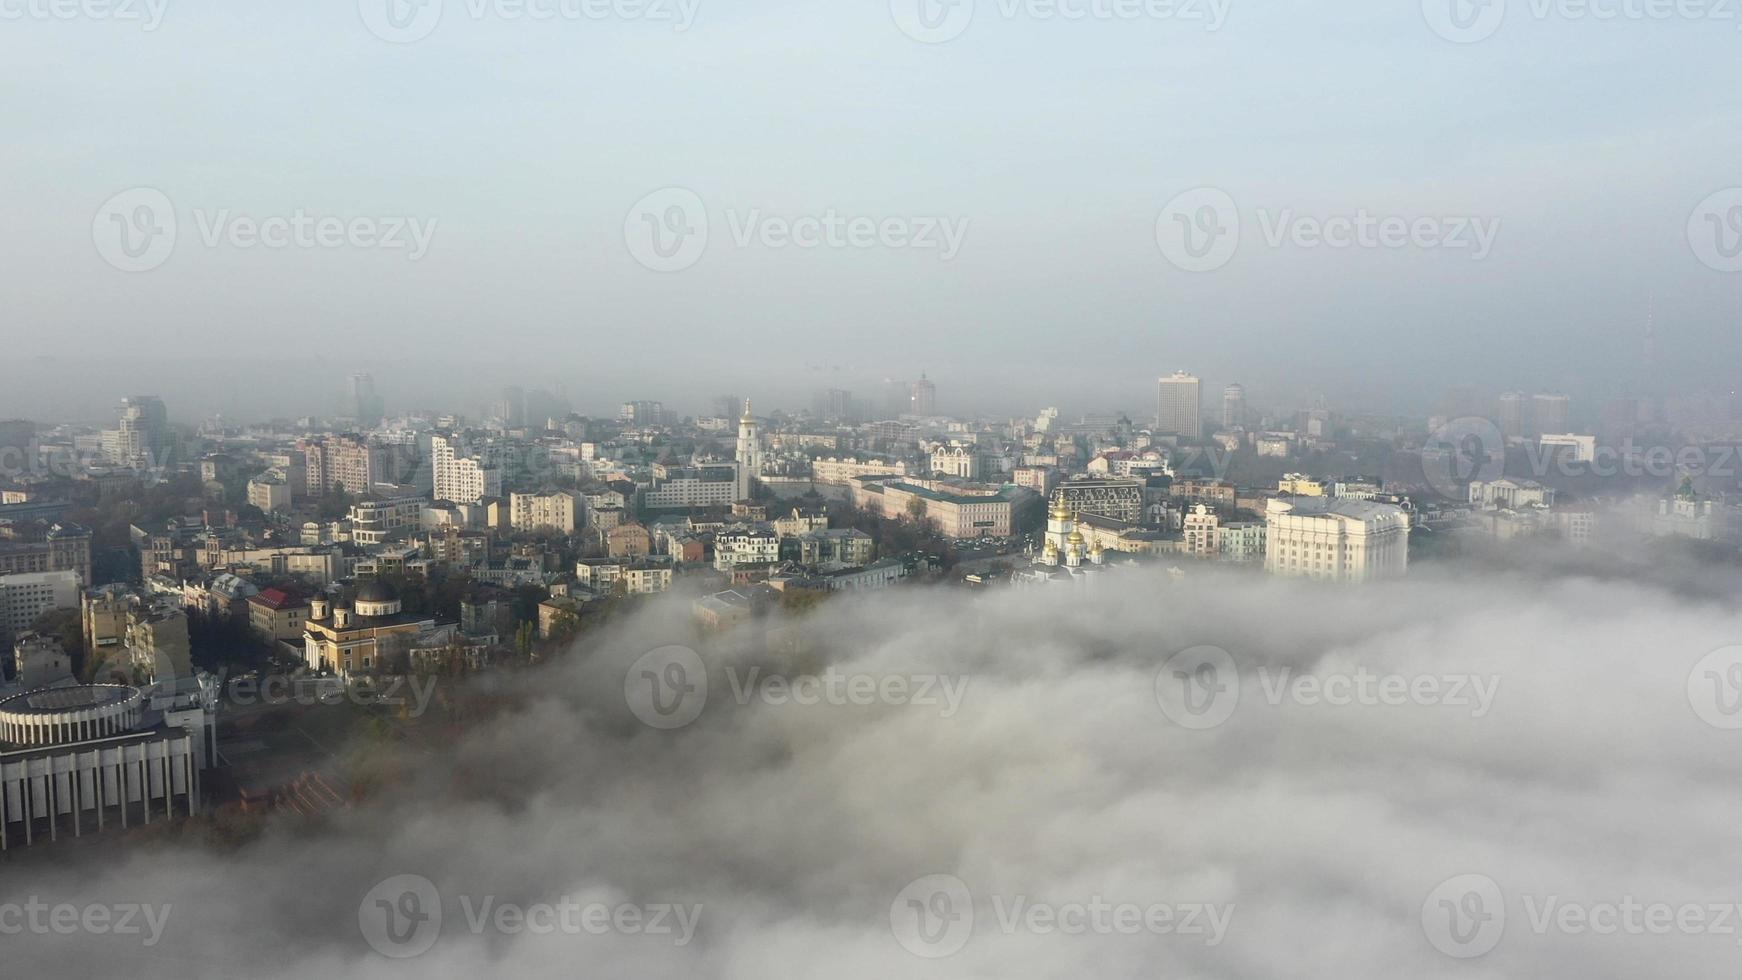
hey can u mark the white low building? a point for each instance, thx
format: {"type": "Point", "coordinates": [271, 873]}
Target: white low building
{"type": "Point", "coordinates": [1510, 494]}
{"type": "Point", "coordinates": [80, 759]}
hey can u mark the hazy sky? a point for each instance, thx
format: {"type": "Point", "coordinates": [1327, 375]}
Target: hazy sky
{"type": "Point", "coordinates": [523, 145]}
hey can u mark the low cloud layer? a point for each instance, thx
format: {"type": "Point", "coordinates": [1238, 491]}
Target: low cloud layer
{"type": "Point", "coordinates": [1064, 804]}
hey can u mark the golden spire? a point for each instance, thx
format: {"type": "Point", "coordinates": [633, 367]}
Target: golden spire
{"type": "Point", "coordinates": [747, 417]}
{"type": "Point", "coordinates": [1059, 513]}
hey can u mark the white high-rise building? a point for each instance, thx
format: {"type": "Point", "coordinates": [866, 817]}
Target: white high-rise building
{"type": "Point", "coordinates": [1233, 406]}
{"type": "Point", "coordinates": [1179, 407]}
{"type": "Point", "coordinates": [1548, 413]}
{"type": "Point", "coordinates": [460, 476]}
{"type": "Point", "coordinates": [26, 596]}
{"type": "Point", "coordinates": [749, 453]}
{"type": "Point", "coordinates": [1342, 540]}
{"type": "Point", "coordinates": [365, 403]}
{"type": "Point", "coordinates": [922, 397]}
{"type": "Point", "coordinates": [142, 437]}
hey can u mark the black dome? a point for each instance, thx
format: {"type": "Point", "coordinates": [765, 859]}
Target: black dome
{"type": "Point", "coordinates": [377, 592]}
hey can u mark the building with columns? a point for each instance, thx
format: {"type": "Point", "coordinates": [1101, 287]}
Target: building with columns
{"type": "Point", "coordinates": [82, 759]}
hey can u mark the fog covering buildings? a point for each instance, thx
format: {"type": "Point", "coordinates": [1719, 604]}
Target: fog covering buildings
{"type": "Point", "coordinates": [1557, 754]}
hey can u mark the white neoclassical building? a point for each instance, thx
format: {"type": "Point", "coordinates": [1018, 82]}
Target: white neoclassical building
{"type": "Point", "coordinates": [1339, 540]}
{"type": "Point", "coordinates": [80, 758]}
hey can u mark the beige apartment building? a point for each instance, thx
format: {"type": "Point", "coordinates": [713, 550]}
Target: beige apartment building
{"type": "Point", "coordinates": [551, 511]}
{"type": "Point", "coordinates": [954, 510]}
{"type": "Point", "coordinates": [832, 469]}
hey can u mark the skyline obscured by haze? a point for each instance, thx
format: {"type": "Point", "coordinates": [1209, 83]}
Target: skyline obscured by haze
{"type": "Point", "coordinates": [524, 148]}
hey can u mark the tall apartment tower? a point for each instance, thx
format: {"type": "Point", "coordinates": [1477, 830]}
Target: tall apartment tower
{"type": "Point", "coordinates": [1548, 414]}
{"type": "Point", "coordinates": [749, 452]}
{"type": "Point", "coordinates": [511, 407]}
{"type": "Point", "coordinates": [460, 475]}
{"type": "Point", "coordinates": [1179, 407]}
{"type": "Point", "coordinates": [143, 437]}
{"type": "Point", "coordinates": [922, 397]}
{"type": "Point", "coordinates": [1509, 414]}
{"type": "Point", "coordinates": [365, 403]}
{"type": "Point", "coordinates": [1233, 406]}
